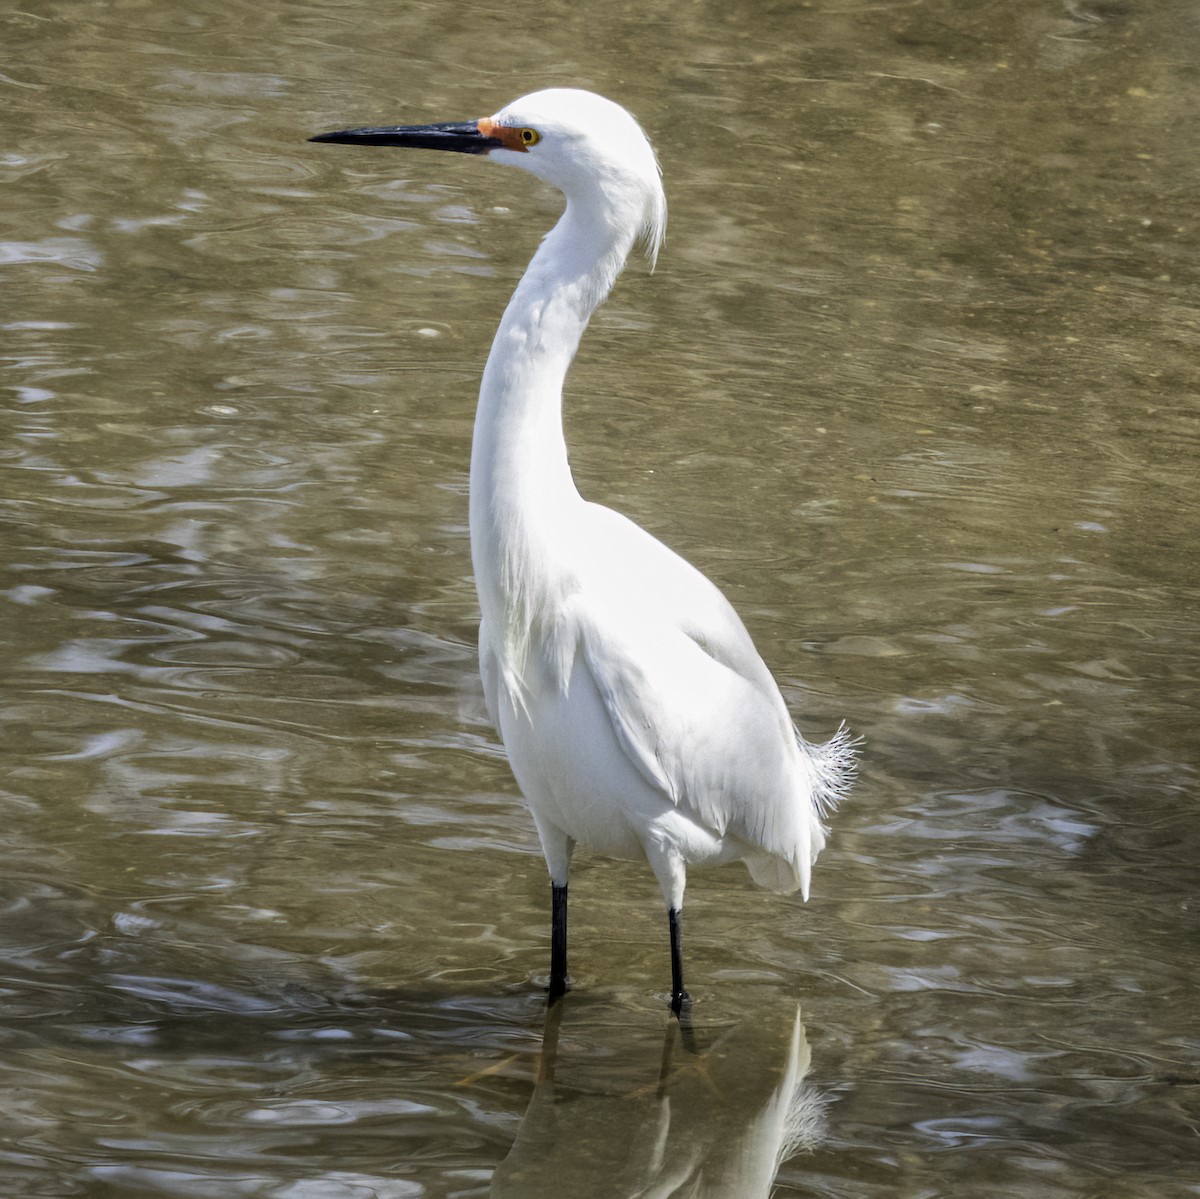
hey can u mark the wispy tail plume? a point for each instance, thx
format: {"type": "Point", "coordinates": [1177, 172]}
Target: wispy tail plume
{"type": "Point", "coordinates": [835, 766]}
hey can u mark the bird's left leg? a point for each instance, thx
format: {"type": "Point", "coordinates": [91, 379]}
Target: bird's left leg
{"type": "Point", "coordinates": [557, 848]}
{"type": "Point", "coordinates": [679, 997]}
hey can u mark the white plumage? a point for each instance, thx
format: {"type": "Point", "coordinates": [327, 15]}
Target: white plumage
{"type": "Point", "coordinates": [638, 717]}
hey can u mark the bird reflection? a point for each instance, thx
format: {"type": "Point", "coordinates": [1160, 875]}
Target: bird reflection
{"type": "Point", "coordinates": [716, 1123]}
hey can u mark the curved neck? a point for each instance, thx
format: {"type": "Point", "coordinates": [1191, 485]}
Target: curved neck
{"type": "Point", "coordinates": [522, 494]}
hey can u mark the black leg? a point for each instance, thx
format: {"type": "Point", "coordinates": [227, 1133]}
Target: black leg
{"type": "Point", "coordinates": [679, 997]}
{"type": "Point", "coordinates": [558, 942]}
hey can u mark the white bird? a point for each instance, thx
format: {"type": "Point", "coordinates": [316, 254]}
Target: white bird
{"type": "Point", "coordinates": [638, 717]}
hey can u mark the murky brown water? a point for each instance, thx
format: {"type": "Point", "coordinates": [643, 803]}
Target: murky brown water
{"type": "Point", "coordinates": [916, 382]}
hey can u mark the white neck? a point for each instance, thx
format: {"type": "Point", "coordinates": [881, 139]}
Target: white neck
{"type": "Point", "coordinates": [524, 505]}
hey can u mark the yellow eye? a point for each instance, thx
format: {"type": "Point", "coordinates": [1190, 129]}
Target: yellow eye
{"type": "Point", "coordinates": [530, 137]}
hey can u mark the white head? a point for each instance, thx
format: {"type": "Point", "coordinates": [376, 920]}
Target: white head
{"type": "Point", "coordinates": [585, 146]}
{"type": "Point", "coordinates": [591, 149]}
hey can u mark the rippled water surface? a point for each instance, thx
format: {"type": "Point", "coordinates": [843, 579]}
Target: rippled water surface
{"type": "Point", "coordinates": [915, 382]}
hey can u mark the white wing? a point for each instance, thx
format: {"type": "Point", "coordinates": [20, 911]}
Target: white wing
{"type": "Point", "coordinates": [691, 702]}
{"type": "Point", "coordinates": [658, 582]}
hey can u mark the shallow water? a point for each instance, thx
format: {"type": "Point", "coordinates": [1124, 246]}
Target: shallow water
{"type": "Point", "coordinates": [915, 382]}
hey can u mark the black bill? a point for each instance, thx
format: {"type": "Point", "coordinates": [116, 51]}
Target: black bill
{"type": "Point", "coordinates": [465, 137]}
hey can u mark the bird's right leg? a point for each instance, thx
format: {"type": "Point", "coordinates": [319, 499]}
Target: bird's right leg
{"type": "Point", "coordinates": [558, 941]}
{"type": "Point", "coordinates": [669, 869]}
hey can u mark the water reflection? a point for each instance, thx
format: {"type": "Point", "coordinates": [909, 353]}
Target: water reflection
{"type": "Point", "coordinates": [717, 1121]}
{"type": "Point", "coordinates": [181, 1081]}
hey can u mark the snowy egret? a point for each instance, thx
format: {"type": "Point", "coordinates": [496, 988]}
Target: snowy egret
{"type": "Point", "coordinates": [638, 717]}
